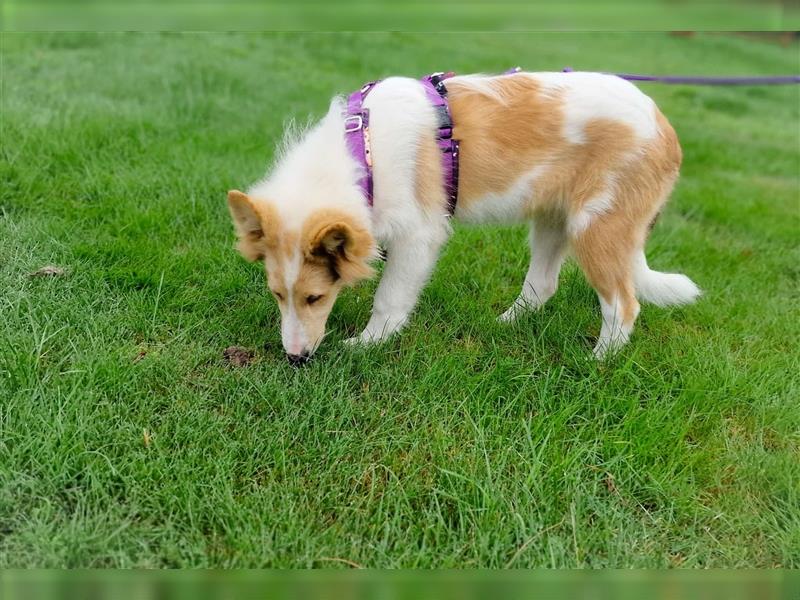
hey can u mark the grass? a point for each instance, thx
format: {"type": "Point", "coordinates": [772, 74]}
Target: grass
{"type": "Point", "coordinates": [389, 15]}
{"type": "Point", "coordinates": [125, 439]}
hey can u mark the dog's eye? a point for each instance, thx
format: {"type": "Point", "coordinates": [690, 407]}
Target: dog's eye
{"type": "Point", "coordinates": [278, 296]}
{"type": "Point", "coordinates": [313, 298]}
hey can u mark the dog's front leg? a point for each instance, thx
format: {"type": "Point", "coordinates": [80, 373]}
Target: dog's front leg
{"type": "Point", "coordinates": [409, 263]}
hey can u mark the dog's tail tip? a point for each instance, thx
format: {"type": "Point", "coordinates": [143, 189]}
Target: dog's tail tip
{"type": "Point", "coordinates": [664, 289]}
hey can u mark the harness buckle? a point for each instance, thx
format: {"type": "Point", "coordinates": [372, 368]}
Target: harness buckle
{"type": "Point", "coordinates": [353, 123]}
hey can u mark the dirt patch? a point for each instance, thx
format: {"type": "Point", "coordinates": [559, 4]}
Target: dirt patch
{"type": "Point", "coordinates": [236, 356]}
{"type": "Point", "coordinates": [49, 271]}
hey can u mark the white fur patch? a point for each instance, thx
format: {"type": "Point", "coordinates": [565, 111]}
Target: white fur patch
{"type": "Point", "coordinates": [598, 205]}
{"type": "Point", "coordinates": [614, 332]}
{"type": "Point", "coordinates": [504, 207]}
{"type": "Point", "coordinates": [291, 271]}
{"type": "Point", "coordinates": [293, 334]}
{"type": "Point", "coordinates": [662, 289]}
{"type": "Point", "coordinates": [588, 96]}
{"type": "Point", "coordinates": [312, 167]}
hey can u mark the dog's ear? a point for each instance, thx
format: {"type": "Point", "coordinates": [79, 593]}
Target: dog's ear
{"type": "Point", "coordinates": [248, 220]}
{"type": "Point", "coordinates": [337, 239]}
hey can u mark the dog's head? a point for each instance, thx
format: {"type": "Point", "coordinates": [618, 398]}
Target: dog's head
{"type": "Point", "coordinates": [306, 266]}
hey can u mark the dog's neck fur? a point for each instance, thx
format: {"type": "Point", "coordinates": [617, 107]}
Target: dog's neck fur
{"type": "Point", "coordinates": [314, 170]}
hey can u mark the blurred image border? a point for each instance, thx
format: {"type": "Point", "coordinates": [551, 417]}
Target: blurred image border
{"type": "Point", "coordinates": [401, 585]}
{"type": "Point", "coordinates": [397, 15]}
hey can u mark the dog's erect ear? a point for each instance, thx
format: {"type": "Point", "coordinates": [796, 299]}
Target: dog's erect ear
{"type": "Point", "coordinates": [249, 224]}
{"type": "Point", "coordinates": [244, 214]}
{"type": "Point", "coordinates": [338, 239]}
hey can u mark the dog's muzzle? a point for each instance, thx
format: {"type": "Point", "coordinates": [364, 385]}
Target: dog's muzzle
{"type": "Point", "coordinates": [298, 360]}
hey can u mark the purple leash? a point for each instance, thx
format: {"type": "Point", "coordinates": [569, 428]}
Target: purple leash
{"type": "Point", "coordinates": [682, 80]}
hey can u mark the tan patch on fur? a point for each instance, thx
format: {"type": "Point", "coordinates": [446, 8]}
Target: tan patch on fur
{"type": "Point", "coordinates": [606, 248]}
{"type": "Point", "coordinates": [315, 279]}
{"type": "Point", "coordinates": [428, 185]}
{"type": "Point", "coordinates": [502, 138]}
{"type": "Point", "coordinates": [278, 253]}
{"type": "Point", "coordinates": [336, 238]}
{"type": "Point", "coordinates": [256, 222]}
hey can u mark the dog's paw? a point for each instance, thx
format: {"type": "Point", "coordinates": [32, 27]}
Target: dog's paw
{"type": "Point", "coordinates": [607, 350]}
{"type": "Point", "coordinates": [365, 339]}
{"type": "Point", "coordinates": [511, 315]}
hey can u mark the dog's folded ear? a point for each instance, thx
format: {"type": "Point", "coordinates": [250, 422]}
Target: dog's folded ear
{"type": "Point", "coordinates": [346, 246]}
{"type": "Point", "coordinates": [249, 222]}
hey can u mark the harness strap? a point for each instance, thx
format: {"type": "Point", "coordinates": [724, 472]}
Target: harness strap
{"type": "Point", "coordinates": [356, 128]}
{"type": "Point", "coordinates": [436, 92]}
{"type": "Point", "coordinates": [356, 131]}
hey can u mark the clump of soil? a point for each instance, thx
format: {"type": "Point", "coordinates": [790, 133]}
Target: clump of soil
{"type": "Point", "coordinates": [237, 356]}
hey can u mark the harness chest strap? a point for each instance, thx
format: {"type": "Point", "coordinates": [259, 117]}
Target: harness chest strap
{"type": "Point", "coordinates": [356, 127]}
{"type": "Point", "coordinates": [437, 95]}
{"type": "Point", "coordinates": [356, 131]}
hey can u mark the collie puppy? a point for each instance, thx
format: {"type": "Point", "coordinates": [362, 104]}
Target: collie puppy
{"type": "Point", "coordinates": [586, 159]}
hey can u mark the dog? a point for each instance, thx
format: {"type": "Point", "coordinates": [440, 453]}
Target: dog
{"type": "Point", "coordinates": [586, 159]}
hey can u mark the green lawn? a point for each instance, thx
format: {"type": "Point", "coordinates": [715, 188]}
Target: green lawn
{"type": "Point", "coordinates": [126, 439]}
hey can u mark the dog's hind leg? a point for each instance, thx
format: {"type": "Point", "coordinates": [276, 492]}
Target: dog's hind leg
{"type": "Point", "coordinates": [605, 249]}
{"type": "Point", "coordinates": [548, 244]}
{"type": "Point", "coordinates": [609, 247]}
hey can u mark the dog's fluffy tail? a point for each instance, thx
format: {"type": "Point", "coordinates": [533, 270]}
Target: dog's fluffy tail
{"type": "Point", "coordinates": [662, 289]}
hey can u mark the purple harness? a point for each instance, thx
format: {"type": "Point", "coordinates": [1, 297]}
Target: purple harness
{"type": "Point", "coordinates": [356, 128]}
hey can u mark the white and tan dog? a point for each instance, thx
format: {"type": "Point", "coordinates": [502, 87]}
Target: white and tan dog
{"type": "Point", "coordinates": [586, 159]}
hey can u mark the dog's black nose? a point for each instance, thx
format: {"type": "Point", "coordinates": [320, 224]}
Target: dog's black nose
{"type": "Point", "coordinates": [298, 360]}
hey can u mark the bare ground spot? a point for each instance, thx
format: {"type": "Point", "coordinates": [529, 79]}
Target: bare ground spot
{"type": "Point", "coordinates": [237, 356]}
{"type": "Point", "coordinates": [48, 271]}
